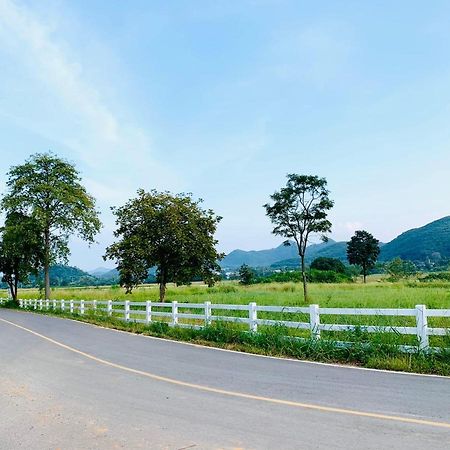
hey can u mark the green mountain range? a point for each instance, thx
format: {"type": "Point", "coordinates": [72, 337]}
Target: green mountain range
{"type": "Point", "coordinates": [430, 242]}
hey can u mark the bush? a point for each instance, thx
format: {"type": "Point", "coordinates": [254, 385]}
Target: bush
{"type": "Point", "coordinates": [328, 264]}
{"type": "Point", "coordinates": [327, 276]}
{"type": "Point", "coordinates": [439, 276]}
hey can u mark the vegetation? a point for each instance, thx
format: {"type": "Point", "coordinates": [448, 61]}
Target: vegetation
{"type": "Point", "coordinates": [246, 275]}
{"type": "Point", "coordinates": [169, 232]}
{"type": "Point", "coordinates": [398, 269]}
{"type": "Point", "coordinates": [323, 263]}
{"type": "Point", "coordinates": [367, 351]}
{"type": "Point", "coordinates": [299, 210]}
{"type": "Point", "coordinates": [21, 250]}
{"type": "Point", "coordinates": [363, 250]}
{"type": "Point", "coordinates": [48, 189]}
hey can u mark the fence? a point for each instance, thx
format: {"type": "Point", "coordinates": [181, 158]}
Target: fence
{"type": "Point", "coordinates": [207, 312]}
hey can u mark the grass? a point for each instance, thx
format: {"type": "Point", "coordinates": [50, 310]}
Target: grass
{"type": "Point", "coordinates": [366, 351]}
{"type": "Point", "coordinates": [375, 294]}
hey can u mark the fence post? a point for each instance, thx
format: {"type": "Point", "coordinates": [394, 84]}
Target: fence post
{"type": "Point", "coordinates": [81, 307]}
{"type": "Point", "coordinates": [54, 305]}
{"type": "Point", "coordinates": [40, 304]}
{"type": "Point", "coordinates": [63, 305]}
{"type": "Point", "coordinates": [422, 326]}
{"type": "Point", "coordinates": [20, 303]}
{"type": "Point", "coordinates": [35, 304]}
{"type": "Point", "coordinates": [94, 305]}
{"type": "Point", "coordinates": [252, 316]}
{"type": "Point", "coordinates": [314, 321]}
{"type": "Point", "coordinates": [127, 310]}
{"type": "Point", "coordinates": [109, 308]}
{"type": "Point", "coordinates": [71, 306]}
{"type": "Point", "coordinates": [47, 304]}
{"type": "Point", "coordinates": [174, 313]}
{"type": "Point", "coordinates": [148, 311]}
{"type": "Point", "coordinates": [208, 313]}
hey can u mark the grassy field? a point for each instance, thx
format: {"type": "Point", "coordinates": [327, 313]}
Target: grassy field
{"type": "Point", "coordinates": [375, 294]}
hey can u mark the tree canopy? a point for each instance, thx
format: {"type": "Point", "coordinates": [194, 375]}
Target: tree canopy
{"type": "Point", "coordinates": [169, 232]}
{"type": "Point", "coordinates": [21, 250]}
{"type": "Point", "coordinates": [324, 263]}
{"type": "Point", "coordinates": [49, 190]}
{"type": "Point", "coordinates": [299, 210]}
{"type": "Point", "coordinates": [363, 250]}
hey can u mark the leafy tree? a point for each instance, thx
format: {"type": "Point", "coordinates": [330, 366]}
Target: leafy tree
{"type": "Point", "coordinates": [324, 263]}
{"type": "Point", "coordinates": [363, 250]}
{"type": "Point", "coordinates": [398, 269]}
{"type": "Point", "coordinates": [299, 210]}
{"type": "Point", "coordinates": [169, 232]}
{"type": "Point", "coordinates": [48, 189]}
{"type": "Point", "coordinates": [246, 275]}
{"type": "Point", "coordinates": [21, 250]}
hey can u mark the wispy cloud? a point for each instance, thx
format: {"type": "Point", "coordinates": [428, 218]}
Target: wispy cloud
{"type": "Point", "coordinates": [91, 129]}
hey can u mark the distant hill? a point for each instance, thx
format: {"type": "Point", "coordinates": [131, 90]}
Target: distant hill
{"type": "Point", "coordinates": [431, 241]}
{"type": "Point", "coordinates": [283, 256]}
{"type": "Point", "coordinates": [99, 271]}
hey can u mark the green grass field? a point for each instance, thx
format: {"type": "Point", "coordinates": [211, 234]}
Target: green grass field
{"type": "Point", "coordinates": [375, 294]}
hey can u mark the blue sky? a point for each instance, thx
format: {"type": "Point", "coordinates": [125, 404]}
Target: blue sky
{"type": "Point", "coordinates": [224, 98]}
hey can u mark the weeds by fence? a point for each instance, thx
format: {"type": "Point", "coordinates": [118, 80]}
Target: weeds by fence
{"type": "Point", "coordinates": [306, 322]}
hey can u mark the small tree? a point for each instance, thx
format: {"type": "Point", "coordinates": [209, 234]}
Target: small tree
{"type": "Point", "coordinates": [363, 250]}
{"type": "Point", "coordinates": [246, 275]}
{"type": "Point", "coordinates": [21, 250]}
{"type": "Point", "coordinates": [398, 269]}
{"type": "Point", "coordinates": [48, 189]}
{"type": "Point", "coordinates": [324, 263]}
{"type": "Point", "coordinates": [299, 210]}
{"type": "Point", "coordinates": [169, 232]}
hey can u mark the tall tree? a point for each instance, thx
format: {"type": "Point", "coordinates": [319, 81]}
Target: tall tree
{"type": "Point", "coordinates": [169, 232]}
{"type": "Point", "coordinates": [21, 250]}
{"type": "Point", "coordinates": [49, 190]}
{"type": "Point", "coordinates": [299, 210]}
{"type": "Point", "coordinates": [363, 250]}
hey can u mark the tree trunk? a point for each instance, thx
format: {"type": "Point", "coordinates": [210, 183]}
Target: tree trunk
{"type": "Point", "coordinates": [162, 291]}
{"type": "Point", "coordinates": [14, 294]}
{"type": "Point", "coordinates": [305, 288]}
{"type": "Point", "coordinates": [47, 264]}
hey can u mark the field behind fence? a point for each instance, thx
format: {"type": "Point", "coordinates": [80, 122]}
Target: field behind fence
{"type": "Point", "coordinates": [410, 328]}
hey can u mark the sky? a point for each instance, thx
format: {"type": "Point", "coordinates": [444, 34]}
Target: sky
{"type": "Point", "coordinates": [224, 98]}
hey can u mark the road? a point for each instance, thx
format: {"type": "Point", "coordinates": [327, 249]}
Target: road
{"type": "Point", "coordinates": [69, 385]}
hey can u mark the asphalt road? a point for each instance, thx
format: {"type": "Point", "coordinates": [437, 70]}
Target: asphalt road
{"type": "Point", "coordinates": [70, 385]}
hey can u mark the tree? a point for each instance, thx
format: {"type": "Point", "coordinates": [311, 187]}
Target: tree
{"type": "Point", "coordinates": [299, 210]}
{"type": "Point", "coordinates": [169, 232]}
{"type": "Point", "coordinates": [21, 250]}
{"type": "Point", "coordinates": [363, 250]}
{"type": "Point", "coordinates": [48, 189]}
{"type": "Point", "coordinates": [398, 269]}
{"type": "Point", "coordinates": [246, 275]}
{"type": "Point", "coordinates": [324, 263]}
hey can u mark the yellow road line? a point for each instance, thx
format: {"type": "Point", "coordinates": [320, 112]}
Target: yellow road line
{"type": "Point", "coordinates": [236, 394]}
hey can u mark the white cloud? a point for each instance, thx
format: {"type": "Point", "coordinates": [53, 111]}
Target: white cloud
{"type": "Point", "coordinates": [76, 115]}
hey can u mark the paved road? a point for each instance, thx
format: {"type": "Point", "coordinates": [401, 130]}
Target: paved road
{"type": "Point", "coordinates": [77, 386]}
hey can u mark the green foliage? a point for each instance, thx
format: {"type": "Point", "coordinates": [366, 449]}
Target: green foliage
{"type": "Point", "coordinates": [399, 269]}
{"type": "Point", "coordinates": [327, 276]}
{"type": "Point", "coordinates": [48, 189]}
{"type": "Point", "coordinates": [21, 250]}
{"type": "Point", "coordinates": [438, 276]}
{"type": "Point", "coordinates": [363, 250]}
{"type": "Point", "coordinates": [299, 210]}
{"type": "Point", "coordinates": [246, 275]}
{"type": "Point", "coordinates": [171, 232]}
{"type": "Point", "coordinates": [333, 264]}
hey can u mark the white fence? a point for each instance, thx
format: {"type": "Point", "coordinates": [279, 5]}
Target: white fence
{"type": "Point", "coordinates": [181, 314]}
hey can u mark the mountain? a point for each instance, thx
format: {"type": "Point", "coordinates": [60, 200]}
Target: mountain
{"type": "Point", "coordinates": [99, 271]}
{"type": "Point", "coordinates": [283, 256]}
{"type": "Point", "coordinates": [431, 241]}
